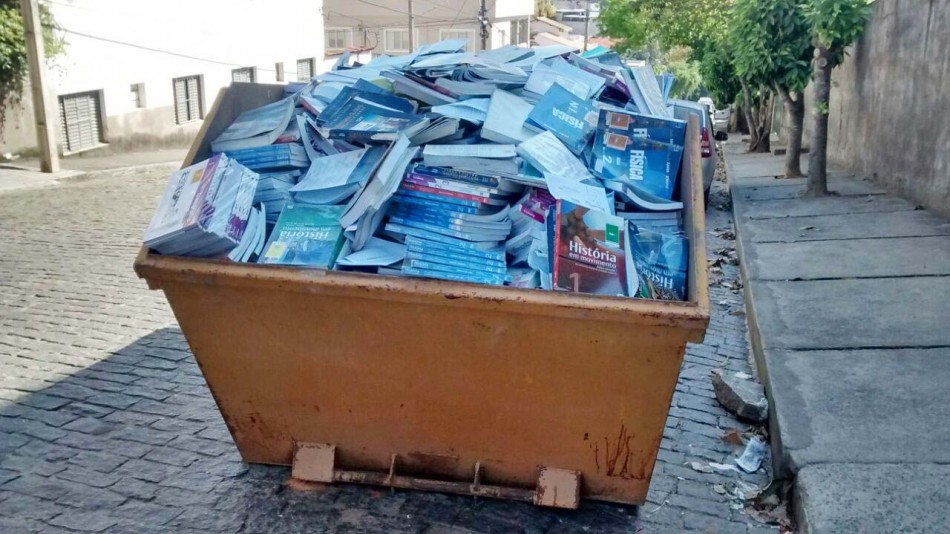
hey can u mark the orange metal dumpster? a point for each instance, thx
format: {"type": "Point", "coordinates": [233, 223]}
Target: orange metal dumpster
{"type": "Point", "coordinates": [430, 384]}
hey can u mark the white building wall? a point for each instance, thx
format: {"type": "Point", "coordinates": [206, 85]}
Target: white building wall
{"type": "Point", "coordinates": [367, 24]}
{"type": "Point", "coordinates": [112, 44]}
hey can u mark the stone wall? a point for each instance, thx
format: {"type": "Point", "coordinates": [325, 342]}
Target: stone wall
{"type": "Point", "coordinates": [890, 100]}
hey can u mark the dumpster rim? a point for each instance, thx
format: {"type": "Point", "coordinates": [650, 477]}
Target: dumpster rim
{"type": "Point", "coordinates": [157, 269]}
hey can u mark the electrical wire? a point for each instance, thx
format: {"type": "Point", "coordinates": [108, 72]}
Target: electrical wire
{"type": "Point", "coordinates": [159, 50]}
{"type": "Point", "coordinates": [387, 8]}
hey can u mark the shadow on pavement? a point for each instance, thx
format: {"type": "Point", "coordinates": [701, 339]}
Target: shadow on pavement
{"type": "Point", "coordinates": [135, 443]}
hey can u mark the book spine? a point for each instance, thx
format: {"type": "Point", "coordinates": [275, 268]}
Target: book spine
{"type": "Point", "coordinates": [449, 185]}
{"type": "Point", "coordinates": [412, 223]}
{"type": "Point", "coordinates": [554, 251]}
{"type": "Point", "coordinates": [429, 216]}
{"type": "Point", "coordinates": [419, 244]}
{"type": "Point", "coordinates": [451, 276]}
{"type": "Point", "coordinates": [441, 200]}
{"type": "Point", "coordinates": [457, 175]}
{"type": "Point", "coordinates": [431, 236]}
{"type": "Point", "coordinates": [472, 264]}
{"type": "Point", "coordinates": [408, 201]}
{"type": "Point", "coordinates": [442, 192]}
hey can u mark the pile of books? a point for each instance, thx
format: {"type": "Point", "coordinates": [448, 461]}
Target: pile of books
{"type": "Point", "coordinates": [204, 210]}
{"type": "Point", "coordinates": [528, 167]}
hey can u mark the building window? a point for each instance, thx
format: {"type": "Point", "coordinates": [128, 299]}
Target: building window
{"type": "Point", "coordinates": [279, 70]}
{"type": "Point", "coordinates": [397, 40]}
{"type": "Point", "coordinates": [188, 99]}
{"type": "Point", "coordinates": [138, 95]}
{"type": "Point", "coordinates": [305, 68]}
{"type": "Point", "coordinates": [337, 38]}
{"type": "Point", "coordinates": [244, 74]}
{"type": "Point", "coordinates": [467, 35]}
{"type": "Point", "coordinates": [523, 29]}
{"type": "Point", "coordinates": [80, 120]}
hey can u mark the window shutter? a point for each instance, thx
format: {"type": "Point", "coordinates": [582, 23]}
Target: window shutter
{"type": "Point", "coordinates": [181, 101]}
{"type": "Point", "coordinates": [194, 99]}
{"type": "Point", "coordinates": [80, 121]}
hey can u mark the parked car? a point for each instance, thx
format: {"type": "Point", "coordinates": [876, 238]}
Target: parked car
{"type": "Point", "coordinates": [682, 109]}
{"type": "Point", "coordinates": [719, 117]}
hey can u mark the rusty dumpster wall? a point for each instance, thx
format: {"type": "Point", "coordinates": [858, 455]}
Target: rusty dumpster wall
{"type": "Point", "coordinates": [445, 375]}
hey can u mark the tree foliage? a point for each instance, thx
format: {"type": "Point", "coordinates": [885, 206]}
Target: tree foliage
{"type": "Point", "coordinates": [545, 8]}
{"type": "Point", "coordinates": [680, 63]}
{"type": "Point", "coordinates": [14, 66]}
{"type": "Point", "coordinates": [692, 23]}
{"type": "Point", "coordinates": [836, 24]}
{"type": "Point", "coordinates": [719, 74]}
{"type": "Point", "coordinates": [770, 42]}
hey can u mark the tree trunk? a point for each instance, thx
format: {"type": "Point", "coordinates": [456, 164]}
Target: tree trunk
{"type": "Point", "coordinates": [764, 122]}
{"type": "Point", "coordinates": [749, 116]}
{"type": "Point", "coordinates": [794, 119]}
{"type": "Point", "coordinates": [818, 154]}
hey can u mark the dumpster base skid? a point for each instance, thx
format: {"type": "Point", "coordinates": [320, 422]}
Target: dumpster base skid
{"type": "Point", "coordinates": [557, 488]}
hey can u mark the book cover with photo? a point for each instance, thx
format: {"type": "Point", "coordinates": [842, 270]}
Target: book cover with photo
{"type": "Point", "coordinates": [589, 255]}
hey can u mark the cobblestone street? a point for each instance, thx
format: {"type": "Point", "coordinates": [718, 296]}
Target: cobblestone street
{"type": "Point", "coordinates": [106, 423]}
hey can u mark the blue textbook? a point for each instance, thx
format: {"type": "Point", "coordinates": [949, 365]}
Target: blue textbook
{"type": "Point", "coordinates": [306, 236]}
{"type": "Point", "coordinates": [671, 131]}
{"type": "Point", "coordinates": [649, 165]}
{"type": "Point", "coordinates": [570, 118]}
{"type": "Point", "coordinates": [362, 121]}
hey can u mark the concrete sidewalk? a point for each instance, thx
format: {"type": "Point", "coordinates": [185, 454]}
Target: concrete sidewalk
{"type": "Point", "coordinates": [850, 323]}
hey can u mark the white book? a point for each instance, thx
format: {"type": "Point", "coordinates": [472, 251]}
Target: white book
{"type": "Point", "coordinates": [504, 122]}
{"type": "Point", "coordinates": [484, 150]}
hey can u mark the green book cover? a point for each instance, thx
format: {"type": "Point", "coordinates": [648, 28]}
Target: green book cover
{"type": "Point", "coordinates": [307, 236]}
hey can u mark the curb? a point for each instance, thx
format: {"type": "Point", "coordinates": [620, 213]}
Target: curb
{"type": "Point", "coordinates": [781, 467]}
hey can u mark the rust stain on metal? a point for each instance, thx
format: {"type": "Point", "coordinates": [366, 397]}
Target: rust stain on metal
{"type": "Point", "coordinates": [618, 463]}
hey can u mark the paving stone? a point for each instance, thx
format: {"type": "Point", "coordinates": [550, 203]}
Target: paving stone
{"type": "Point", "coordinates": [27, 507]}
{"type": "Point", "coordinates": [92, 499]}
{"type": "Point", "coordinates": [98, 461]}
{"type": "Point", "coordinates": [148, 514]}
{"type": "Point", "coordinates": [38, 486]}
{"type": "Point", "coordinates": [146, 470]}
{"type": "Point", "coordinates": [89, 477]}
{"type": "Point", "coordinates": [83, 521]}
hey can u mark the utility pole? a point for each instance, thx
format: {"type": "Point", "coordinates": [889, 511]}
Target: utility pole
{"type": "Point", "coordinates": [586, 23]}
{"type": "Point", "coordinates": [483, 22]}
{"type": "Point", "coordinates": [412, 37]}
{"type": "Point", "coordinates": [42, 105]}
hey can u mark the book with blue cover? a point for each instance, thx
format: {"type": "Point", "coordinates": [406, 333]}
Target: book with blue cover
{"type": "Point", "coordinates": [664, 130]}
{"type": "Point", "coordinates": [272, 157]}
{"type": "Point", "coordinates": [256, 127]}
{"type": "Point", "coordinates": [661, 259]}
{"type": "Point", "coordinates": [379, 98]}
{"type": "Point", "coordinates": [569, 117]}
{"type": "Point", "coordinates": [305, 236]}
{"type": "Point", "coordinates": [649, 165]}
{"type": "Point", "coordinates": [361, 121]}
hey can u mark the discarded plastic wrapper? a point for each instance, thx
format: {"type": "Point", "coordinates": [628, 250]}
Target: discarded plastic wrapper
{"type": "Point", "coordinates": [751, 459]}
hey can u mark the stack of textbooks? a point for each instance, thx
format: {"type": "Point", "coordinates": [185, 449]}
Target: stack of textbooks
{"type": "Point", "coordinates": [204, 209]}
{"type": "Point", "coordinates": [530, 167]}
{"type": "Point", "coordinates": [273, 192]}
{"type": "Point", "coordinates": [454, 223]}
{"type": "Point", "coordinates": [272, 157]}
